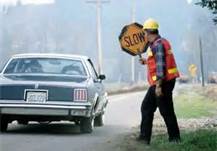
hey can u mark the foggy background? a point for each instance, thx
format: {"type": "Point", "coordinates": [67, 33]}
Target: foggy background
{"type": "Point", "coordinates": [69, 26]}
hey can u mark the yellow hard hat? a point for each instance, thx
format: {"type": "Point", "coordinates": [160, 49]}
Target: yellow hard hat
{"type": "Point", "coordinates": [151, 24]}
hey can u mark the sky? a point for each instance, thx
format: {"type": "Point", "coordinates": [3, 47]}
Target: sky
{"type": "Point", "coordinates": [74, 23]}
{"type": "Point", "coordinates": [27, 2]}
{"type": "Point", "coordinates": [189, 1]}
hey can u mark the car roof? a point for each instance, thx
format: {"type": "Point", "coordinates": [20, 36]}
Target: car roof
{"type": "Point", "coordinates": [49, 55]}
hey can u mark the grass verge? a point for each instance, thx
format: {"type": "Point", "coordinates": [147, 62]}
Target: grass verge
{"type": "Point", "coordinates": [194, 105]}
{"type": "Point", "coordinates": [190, 104]}
{"type": "Point", "coordinates": [199, 140]}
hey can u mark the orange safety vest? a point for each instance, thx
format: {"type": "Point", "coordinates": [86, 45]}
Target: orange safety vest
{"type": "Point", "coordinates": [170, 67]}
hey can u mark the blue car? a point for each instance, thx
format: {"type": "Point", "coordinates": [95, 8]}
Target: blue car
{"type": "Point", "coordinates": [52, 87]}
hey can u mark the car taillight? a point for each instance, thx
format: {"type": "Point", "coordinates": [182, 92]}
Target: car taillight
{"type": "Point", "coordinates": [80, 95]}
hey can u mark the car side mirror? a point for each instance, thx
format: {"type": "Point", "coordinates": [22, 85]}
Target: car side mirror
{"type": "Point", "coordinates": [102, 77]}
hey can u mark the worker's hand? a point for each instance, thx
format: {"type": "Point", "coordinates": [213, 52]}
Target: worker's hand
{"type": "Point", "coordinates": [158, 89]}
{"type": "Point", "coordinates": [143, 61]}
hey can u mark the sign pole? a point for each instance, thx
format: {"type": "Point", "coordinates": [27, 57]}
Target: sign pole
{"type": "Point", "coordinates": [133, 41]}
{"type": "Point", "coordinates": [133, 58]}
{"type": "Point", "coordinates": [201, 62]}
{"type": "Point", "coordinates": [99, 44]}
{"type": "Point", "coordinates": [99, 37]}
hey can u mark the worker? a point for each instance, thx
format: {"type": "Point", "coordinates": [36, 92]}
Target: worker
{"type": "Point", "coordinates": [162, 73]}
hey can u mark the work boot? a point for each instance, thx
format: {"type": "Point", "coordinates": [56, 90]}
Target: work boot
{"type": "Point", "coordinates": [175, 140]}
{"type": "Point", "coordinates": [142, 139]}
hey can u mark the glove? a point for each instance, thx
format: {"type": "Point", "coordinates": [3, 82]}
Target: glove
{"type": "Point", "coordinates": [142, 61]}
{"type": "Point", "coordinates": [158, 89]}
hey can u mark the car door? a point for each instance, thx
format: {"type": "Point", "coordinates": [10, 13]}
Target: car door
{"type": "Point", "coordinates": [99, 87]}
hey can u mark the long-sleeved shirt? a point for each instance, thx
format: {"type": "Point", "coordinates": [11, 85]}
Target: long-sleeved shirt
{"type": "Point", "coordinates": [158, 50]}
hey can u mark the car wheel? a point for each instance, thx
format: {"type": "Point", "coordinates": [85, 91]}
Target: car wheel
{"type": "Point", "coordinates": [3, 123]}
{"type": "Point", "coordinates": [99, 120]}
{"type": "Point", "coordinates": [87, 125]}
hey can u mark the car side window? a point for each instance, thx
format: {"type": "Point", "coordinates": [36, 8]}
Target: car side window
{"type": "Point", "coordinates": [11, 66]}
{"type": "Point", "coordinates": [92, 69]}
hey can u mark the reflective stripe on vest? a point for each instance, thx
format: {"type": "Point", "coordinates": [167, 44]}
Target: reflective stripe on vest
{"type": "Point", "coordinates": [170, 71]}
{"type": "Point", "coordinates": [154, 78]}
{"type": "Point", "coordinates": [149, 52]}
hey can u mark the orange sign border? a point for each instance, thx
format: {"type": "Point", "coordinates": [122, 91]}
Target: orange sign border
{"type": "Point", "coordinates": [121, 35]}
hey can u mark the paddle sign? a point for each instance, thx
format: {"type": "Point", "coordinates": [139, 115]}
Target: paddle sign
{"type": "Point", "coordinates": [132, 39]}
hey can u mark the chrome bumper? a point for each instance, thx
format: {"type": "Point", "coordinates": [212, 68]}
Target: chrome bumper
{"type": "Point", "coordinates": [51, 109]}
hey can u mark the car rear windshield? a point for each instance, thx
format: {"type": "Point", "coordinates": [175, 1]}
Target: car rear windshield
{"type": "Point", "coordinates": [45, 66]}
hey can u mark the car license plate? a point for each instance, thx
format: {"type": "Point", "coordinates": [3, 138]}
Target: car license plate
{"type": "Point", "coordinates": [36, 96]}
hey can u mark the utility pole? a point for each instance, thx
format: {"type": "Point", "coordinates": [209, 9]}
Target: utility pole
{"type": "Point", "coordinates": [133, 58]}
{"type": "Point", "coordinates": [98, 4]}
{"type": "Point", "coordinates": [201, 61]}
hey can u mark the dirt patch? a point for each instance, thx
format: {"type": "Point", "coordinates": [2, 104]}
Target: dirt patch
{"type": "Point", "coordinates": [184, 124]}
{"type": "Point", "coordinates": [127, 142]}
{"type": "Point", "coordinates": [211, 92]}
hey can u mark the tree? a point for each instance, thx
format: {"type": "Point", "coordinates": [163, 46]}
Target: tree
{"type": "Point", "coordinates": [211, 5]}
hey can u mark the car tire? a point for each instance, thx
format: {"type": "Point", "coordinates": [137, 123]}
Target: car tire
{"type": "Point", "coordinates": [3, 123]}
{"type": "Point", "coordinates": [99, 120]}
{"type": "Point", "coordinates": [87, 125]}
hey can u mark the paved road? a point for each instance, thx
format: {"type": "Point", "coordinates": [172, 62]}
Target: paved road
{"type": "Point", "coordinates": [123, 112]}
